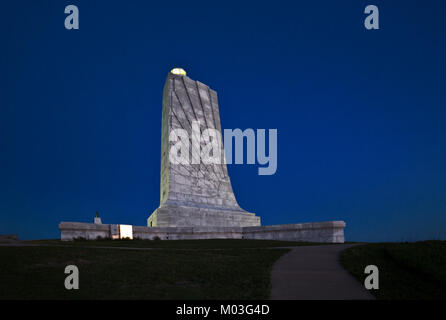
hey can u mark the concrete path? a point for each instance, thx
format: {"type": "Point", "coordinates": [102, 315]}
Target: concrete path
{"type": "Point", "coordinates": [315, 273]}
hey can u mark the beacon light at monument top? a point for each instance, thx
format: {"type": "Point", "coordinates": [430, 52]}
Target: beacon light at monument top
{"type": "Point", "coordinates": [197, 200]}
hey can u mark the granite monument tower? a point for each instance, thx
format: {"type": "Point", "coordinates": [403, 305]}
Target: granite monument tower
{"type": "Point", "coordinates": [195, 194]}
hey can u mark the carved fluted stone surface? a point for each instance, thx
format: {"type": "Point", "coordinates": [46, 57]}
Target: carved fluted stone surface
{"type": "Point", "coordinates": [194, 194]}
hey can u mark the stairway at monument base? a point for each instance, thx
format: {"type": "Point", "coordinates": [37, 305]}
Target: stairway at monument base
{"type": "Point", "coordinates": [185, 216]}
{"type": "Point", "coordinates": [327, 232]}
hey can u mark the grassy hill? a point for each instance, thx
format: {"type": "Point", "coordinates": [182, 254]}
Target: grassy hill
{"type": "Point", "coordinates": [406, 270]}
{"type": "Point", "coordinates": [196, 269]}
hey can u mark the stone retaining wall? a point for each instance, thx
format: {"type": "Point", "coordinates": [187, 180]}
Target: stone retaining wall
{"type": "Point", "coordinates": [327, 232]}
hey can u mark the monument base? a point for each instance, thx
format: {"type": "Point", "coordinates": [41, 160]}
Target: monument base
{"type": "Point", "coordinates": [185, 216]}
{"type": "Point", "coordinates": [324, 232]}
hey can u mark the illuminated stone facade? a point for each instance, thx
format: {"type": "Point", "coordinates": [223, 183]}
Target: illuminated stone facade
{"type": "Point", "coordinates": [194, 195]}
{"type": "Point", "coordinates": [197, 201]}
{"type": "Point", "coordinates": [326, 232]}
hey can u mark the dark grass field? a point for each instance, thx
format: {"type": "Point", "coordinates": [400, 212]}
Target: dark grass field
{"type": "Point", "coordinates": [193, 272]}
{"type": "Point", "coordinates": [406, 270]}
{"type": "Point", "coordinates": [176, 244]}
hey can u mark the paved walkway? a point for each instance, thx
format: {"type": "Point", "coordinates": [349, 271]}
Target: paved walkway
{"type": "Point", "coordinates": [315, 273]}
{"type": "Point", "coordinates": [305, 273]}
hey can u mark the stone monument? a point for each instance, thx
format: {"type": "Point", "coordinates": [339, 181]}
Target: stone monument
{"type": "Point", "coordinates": [197, 200]}
{"type": "Point", "coordinates": [199, 194]}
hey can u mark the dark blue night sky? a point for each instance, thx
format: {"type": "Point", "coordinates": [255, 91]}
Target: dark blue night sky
{"type": "Point", "coordinates": [360, 114]}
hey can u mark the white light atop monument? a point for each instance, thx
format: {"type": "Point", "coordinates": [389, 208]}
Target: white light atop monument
{"type": "Point", "coordinates": [125, 231]}
{"type": "Point", "coordinates": [178, 71]}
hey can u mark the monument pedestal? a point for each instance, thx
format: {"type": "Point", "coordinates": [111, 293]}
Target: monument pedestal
{"type": "Point", "coordinates": [324, 232]}
{"type": "Point", "coordinates": [186, 216]}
